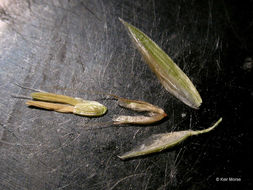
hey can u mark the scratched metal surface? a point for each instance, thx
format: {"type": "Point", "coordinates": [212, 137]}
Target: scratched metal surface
{"type": "Point", "coordinates": [78, 48]}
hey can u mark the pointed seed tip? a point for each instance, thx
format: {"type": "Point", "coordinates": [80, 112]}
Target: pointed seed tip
{"type": "Point", "coordinates": [120, 157]}
{"type": "Point", "coordinates": [121, 20]}
{"type": "Point", "coordinates": [124, 22]}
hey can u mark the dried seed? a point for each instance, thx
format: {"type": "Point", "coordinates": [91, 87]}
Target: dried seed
{"type": "Point", "coordinates": [76, 105]}
{"type": "Point", "coordinates": [140, 120]}
{"type": "Point", "coordinates": [169, 74]}
{"type": "Point", "coordinates": [154, 113]}
{"type": "Point", "coordinates": [89, 108]}
{"type": "Point", "coordinates": [160, 142]}
{"type": "Point", "coordinates": [138, 105]}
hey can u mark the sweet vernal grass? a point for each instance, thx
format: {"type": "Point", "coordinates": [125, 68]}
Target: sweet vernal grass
{"type": "Point", "coordinates": [169, 74]}
{"type": "Point", "coordinates": [67, 104]}
{"type": "Point", "coordinates": [155, 143]}
{"type": "Point", "coordinates": [160, 142]}
{"type": "Point", "coordinates": [154, 113]}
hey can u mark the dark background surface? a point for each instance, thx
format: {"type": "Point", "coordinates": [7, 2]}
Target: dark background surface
{"type": "Point", "coordinates": [72, 47]}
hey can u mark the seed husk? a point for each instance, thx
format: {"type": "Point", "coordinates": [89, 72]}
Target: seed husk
{"type": "Point", "coordinates": [67, 104]}
{"type": "Point", "coordinates": [154, 114]}
{"type": "Point", "coordinates": [173, 79]}
{"type": "Point", "coordinates": [160, 142]}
